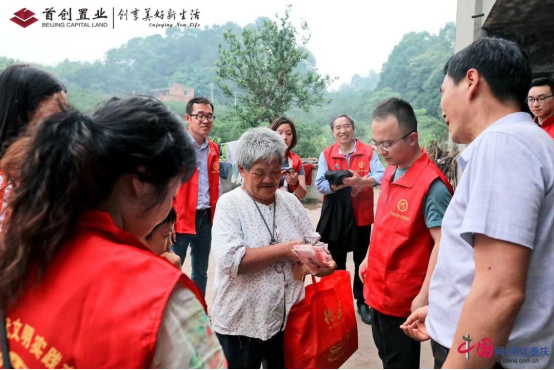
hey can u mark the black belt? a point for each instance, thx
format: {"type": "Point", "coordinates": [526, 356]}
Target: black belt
{"type": "Point", "coordinates": [203, 212]}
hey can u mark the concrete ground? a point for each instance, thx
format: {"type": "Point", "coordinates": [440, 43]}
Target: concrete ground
{"type": "Point", "coordinates": [366, 357]}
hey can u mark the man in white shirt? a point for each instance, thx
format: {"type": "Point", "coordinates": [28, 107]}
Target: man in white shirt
{"type": "Point", "coordinates": [491, 299]}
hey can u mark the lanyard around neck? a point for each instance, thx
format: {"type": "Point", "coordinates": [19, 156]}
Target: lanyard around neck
{"type": "Point", "coordinates": [272, 235]}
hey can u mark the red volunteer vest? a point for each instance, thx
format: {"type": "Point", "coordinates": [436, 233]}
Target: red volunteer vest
{"type": "Point", "coordinates": [362, 203]}
{"type": "Point", "coordinates": [99, 304]}
{"type": "Point", "coordinates": [187, 196]}
{"type": "Point", "coordinates": [401, 243]}
{"type": "Point", "coordinates": [296, 164]}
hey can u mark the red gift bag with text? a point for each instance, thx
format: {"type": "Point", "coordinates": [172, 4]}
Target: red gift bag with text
{"type": "Point", "coordinates": [321, 331]}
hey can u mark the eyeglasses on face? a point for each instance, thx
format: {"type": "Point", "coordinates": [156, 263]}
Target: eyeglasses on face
{"type": "Point", "coordinates": [540, 99]}
{"type": "Point", "coordinates": [387, 146]}
{"type": "Point", "coordinates": [202, 117]}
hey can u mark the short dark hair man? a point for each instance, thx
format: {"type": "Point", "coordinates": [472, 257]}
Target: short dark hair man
{"type": "Point", "coordinates": [404, 243]}
{"type": "Point", "coordinates": [541, 103]}
{"type": "Point", "coordinates": [196, 199]}
{"type": "Point", "coordinates": [347, 211]}
{"type": "Point", "coordinates": [492, 286]}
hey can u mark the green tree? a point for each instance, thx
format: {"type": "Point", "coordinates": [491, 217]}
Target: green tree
{"type": "Point", "coordinates": [266, 64]}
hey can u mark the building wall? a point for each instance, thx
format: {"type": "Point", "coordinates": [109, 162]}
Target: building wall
{"type": "Point", "coordinates": [175, 92]}
{"type": "Point", "coordinates": [468, 28]}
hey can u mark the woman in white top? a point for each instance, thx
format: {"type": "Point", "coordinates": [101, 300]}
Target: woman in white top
{"type": "Point", "coordinates": [255, 228]}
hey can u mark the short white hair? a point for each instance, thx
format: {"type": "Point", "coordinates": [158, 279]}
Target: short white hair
{"type": "Point", "coordinates": [259, 144]}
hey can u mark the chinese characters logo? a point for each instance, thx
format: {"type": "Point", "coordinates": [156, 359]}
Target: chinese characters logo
{"type": "Point", "coordinates": [24, 18]}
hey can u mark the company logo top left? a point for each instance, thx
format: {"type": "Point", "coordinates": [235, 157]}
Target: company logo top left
{"type": "Point", "coordinates": [24, 17]}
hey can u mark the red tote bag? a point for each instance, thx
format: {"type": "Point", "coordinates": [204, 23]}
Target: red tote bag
{"type": "Point", "coordinates": [321, 331]}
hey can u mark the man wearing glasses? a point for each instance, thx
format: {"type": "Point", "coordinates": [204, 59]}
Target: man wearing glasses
{"type": "Point", "coordinates": [401, 257]}
{"type": "Point", "coordinates": [196, 199]}
{"type": "Point", "coordinates": [541, 103]}
{"type": "Point", "coordinates": [351, 154]}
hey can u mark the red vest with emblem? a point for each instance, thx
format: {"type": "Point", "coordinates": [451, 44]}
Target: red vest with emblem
{"type": "Point", "coordinates": [362, 203]}
{"type": "Point", "coordinates": [187, 196]}
{"type": "Point", "coordinates": [401, 243]}
{"type": "Point", "coordinates": [99, 305]}
{"type": "Point", "coordinates": [296, 164]}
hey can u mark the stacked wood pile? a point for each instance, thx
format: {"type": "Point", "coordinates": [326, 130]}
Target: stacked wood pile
{"type": "Point", "coordinates": [444, 155]}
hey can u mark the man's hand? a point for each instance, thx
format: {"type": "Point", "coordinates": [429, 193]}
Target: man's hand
{"type": "Point", "coordinates": [352, 181]}
{"type": "Point", "coordinates": [414, 327]}
{"type": "Point", "coordinates": [363, 270]}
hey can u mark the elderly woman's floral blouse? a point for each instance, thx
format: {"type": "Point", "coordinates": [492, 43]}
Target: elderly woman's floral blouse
{"type": "Point", "coordinates": [255, 305]}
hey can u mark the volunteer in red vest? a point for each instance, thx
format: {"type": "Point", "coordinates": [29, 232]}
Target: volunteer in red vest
{"type": "Point", "coordinates": [78, 287]}
{"type": "Point", "coordinates": [350, 153]}
{"type": "Point", "coordinates": [293, 179]}
{"type": "Point", "coordinates": [541, 103]}
{"type": "Point", "coordinates": [27, 96]}
{"type": "Point", "coordinates": [414, 197]}
{"type": "Point", "coordinates": [196, 199]}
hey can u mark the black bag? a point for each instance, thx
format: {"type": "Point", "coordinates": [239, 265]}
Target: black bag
{"type": "Point", "coordinates": [336, 177]}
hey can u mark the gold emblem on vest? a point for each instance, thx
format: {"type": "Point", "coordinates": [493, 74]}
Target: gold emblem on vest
{"type": "Point", "coordinates": [403, 205]}
{"type": "Point", "coordinates": [361, 164]}
{"type": "Point", "coordinates": [216, 166]}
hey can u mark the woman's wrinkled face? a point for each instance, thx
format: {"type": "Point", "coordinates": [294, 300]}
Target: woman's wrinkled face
{"type": "Point", "coordinates": [262, 180]}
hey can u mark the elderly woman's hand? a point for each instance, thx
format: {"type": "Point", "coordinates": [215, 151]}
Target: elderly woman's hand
{"type": "Point", "coordinates": [289, 249]}
{"type": "Point", "coordinates": [299, 271]}
{"type": "Point", "coordinates": [329, 269]}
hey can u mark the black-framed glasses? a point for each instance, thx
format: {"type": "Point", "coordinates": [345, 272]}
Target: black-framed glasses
{"type": "Point", "coordinates": [540, 99]}
{"type": "Point", "coordinates": [202, 117]}
{"type": "Point", "coordinates": [387, 146]}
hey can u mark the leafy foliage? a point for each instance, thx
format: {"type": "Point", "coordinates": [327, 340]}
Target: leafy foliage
{"type": "Point", "coordinates": [264, 64]}
{"type": "Point", "coordinates": [280, 79]}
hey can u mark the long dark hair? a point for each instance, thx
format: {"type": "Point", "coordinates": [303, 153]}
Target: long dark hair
{"type": "Point", "coordinates": [22, 89]}
{"type": "Point", "coordinates": [282, 121]}
{"type": "Point", "coordinates": [72, 164]}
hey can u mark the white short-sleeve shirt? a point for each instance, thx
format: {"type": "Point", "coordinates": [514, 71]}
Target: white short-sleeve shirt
{"type": "Point", "coordinates": [506, 192]}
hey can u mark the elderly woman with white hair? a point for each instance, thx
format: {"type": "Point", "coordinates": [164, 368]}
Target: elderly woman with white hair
{"type": "Point", "coordinates": [258, 277]}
